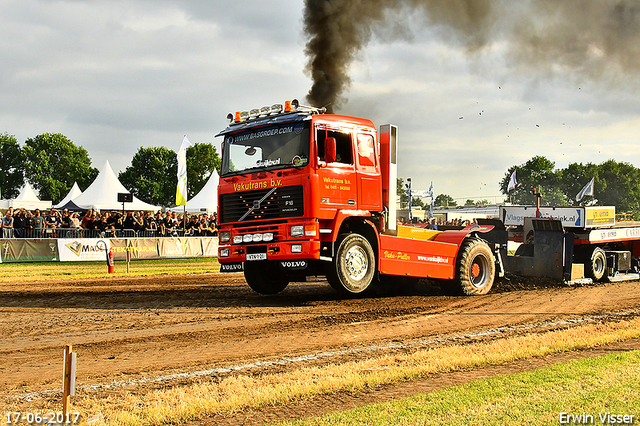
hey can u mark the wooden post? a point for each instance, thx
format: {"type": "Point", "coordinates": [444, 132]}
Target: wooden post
{"type": "Point", "coordinates": [69, 379]}
{"type": "Point", "coordinates": [128, 258]}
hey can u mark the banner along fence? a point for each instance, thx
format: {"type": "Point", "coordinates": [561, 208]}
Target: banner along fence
{"type": "Point", "coordinates": [95, 249]}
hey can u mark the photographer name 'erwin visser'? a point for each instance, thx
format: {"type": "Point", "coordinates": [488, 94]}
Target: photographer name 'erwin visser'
{"type": "Point", "coordinates": [600, 418]}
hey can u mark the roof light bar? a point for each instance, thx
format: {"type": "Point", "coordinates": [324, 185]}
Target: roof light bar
{"type": "Point", "coordinates": [275, 109]}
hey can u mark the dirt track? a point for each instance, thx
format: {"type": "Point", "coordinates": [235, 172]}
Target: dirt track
{"type": "Point", "coordinates": [147, 327]}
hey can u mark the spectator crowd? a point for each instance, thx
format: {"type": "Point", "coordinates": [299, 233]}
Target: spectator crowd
{"type": "Point", "coordinates": [22, 223]}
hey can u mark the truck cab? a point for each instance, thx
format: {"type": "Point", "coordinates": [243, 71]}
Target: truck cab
{"type": "Point", "coordinates": [305, 193]}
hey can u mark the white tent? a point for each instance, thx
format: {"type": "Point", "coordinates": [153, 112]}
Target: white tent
{"type": "Point", "coordinates": [102, 194]}
{"type": "Point", "coordinates": [205, 201]}
{"type": "Point", "coordinates": [26, 199]}
{"type": "Point", "coordinates": [73, 193]}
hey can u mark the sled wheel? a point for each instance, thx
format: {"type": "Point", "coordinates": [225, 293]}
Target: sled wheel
{"type": "Point", "coordinates": [596, 265]}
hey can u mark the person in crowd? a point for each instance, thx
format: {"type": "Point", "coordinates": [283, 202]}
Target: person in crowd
{"type": "Point", "coordinates": [162, 229]}
{"type": "Point", "coordinates": [38, 226]}
{"type": "Point", "coordinates": [138, 223]}
{"type": "Point", "coordinates": [152, 225]}
{"type": "Point", "coordinates": [29, 225]}
{"type": "Point", "coordinates": [75, 221]}
{"type": "Point", "coordinates": [52, 224]}
{"type": "Point", "coordinates": [103, 226]}
{"type": "Point", "coordinates": [192, 226]}
{"type": "Point", "coordinates": [65, 219]}
{"type": "Point", "coordinates": [203, 227]}
{"type": "Point", "coordinates": [168, 223]}
{"type": "Point", "coordinates": [129, 223]}
{"type": "Point", "coordinates": [7, 225]}
{"type": "Point", "coordinates": [213, 224]}
{"type": "Point", "coordinates": [86, 218]}
{"type": "Point", "coordinates": [18, 222]}
{"type": "Point", "coordinates": [94, 224]}
{"type": "Point", "coordinates": [212, 229]}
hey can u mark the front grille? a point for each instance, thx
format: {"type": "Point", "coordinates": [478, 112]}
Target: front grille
{"type": "Point", "coordinates": [272, 203]}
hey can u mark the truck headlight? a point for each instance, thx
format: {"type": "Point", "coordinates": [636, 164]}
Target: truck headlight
{"type": "Point", "coordinates": [225, 236]}
{"type": "Point", "coordinates": [247, 238]}
{"type": "Point", "coordinates": [296, 248]}
{"type": "Point", "coordinates": [224, 252]}
{"type": "Point", "coordinates": [237, 239]}
{"type": "Point", "coordinates": [297, 230]}
{"type": "Point", "coordinates": [268, 236]}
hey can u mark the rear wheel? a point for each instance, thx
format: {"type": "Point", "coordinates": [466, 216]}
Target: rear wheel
{"type": "Point", "coordinates": [353, 268]}
{"type": "Point", "coordinates": [265, 277]}
{"type": "Point", "coordinates": [595, 265]}
{"type": "Point", "coordinates": [476, 268]}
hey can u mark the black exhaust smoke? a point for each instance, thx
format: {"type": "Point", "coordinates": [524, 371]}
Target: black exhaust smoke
{"type": "Point", "coordinates": [596, 39]}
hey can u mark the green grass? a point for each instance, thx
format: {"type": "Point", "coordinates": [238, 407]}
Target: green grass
{"type": "Point", "coordinates": [606, 384]}
{"type": "Point", "coordinates": [43, 271]}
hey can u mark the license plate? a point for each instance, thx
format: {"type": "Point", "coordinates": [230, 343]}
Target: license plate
{"type": "Point", "coordinates": [257, 256]}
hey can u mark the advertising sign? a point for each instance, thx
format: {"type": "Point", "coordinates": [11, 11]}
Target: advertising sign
{"type": "Point", "coordinates": [138, 248]}
{"type": "Point", "coordinates": [210, 247]}
{"type": "Point", "coordinates": [28, 250]}
{"type": "Point", "coordinates": [83, 249]}
{"type": "Point", "coordinates": [179, 247]}
{"type": "Point", "coordinates": [571, 217]}
{"type": "Point", "coordinates": [600, 216]}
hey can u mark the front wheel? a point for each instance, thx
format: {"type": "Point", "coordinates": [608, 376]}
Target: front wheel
{"type": "Point", "coordinates": [476, 268]}
{"type": "Point", "coordinates": [265, 277]}
{"type": "Point", "coordinates": [354, 265]}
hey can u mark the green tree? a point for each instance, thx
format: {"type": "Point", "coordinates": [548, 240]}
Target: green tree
{"type": "Point", "coordinates": [417, 202]}
{"type": "Point", "coordinates": [152, 176]}
{"type": "Point", "coordinates": [574, 178]}
{"type": "Point", "coordinates": [444, 200]}
{"type": "Point", "coordinates": [11, 166]}
{"type": "Point", "coordinates": [53, 163]}
{"type": "Point", "coordinates": [401, 190]}
{"type": "Point", "coordinates": [202, 160]}
{"type": "Point", "coordinates": [616, 184]}
{"type": "Point", "coordinates": [539, 173]}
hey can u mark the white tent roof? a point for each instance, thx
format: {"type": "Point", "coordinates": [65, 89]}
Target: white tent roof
{"type": "Point", "coordinates": [205, 201]}
{"type": "Point", "coordinates": [73, 193]}
{"type": "Point", "coordinates": [27, 199]}
{"type": "Point", "coordinates": [102, 194]}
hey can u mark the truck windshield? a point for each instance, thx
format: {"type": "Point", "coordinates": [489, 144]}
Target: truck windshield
{"type": "Point", "coordinates": [270, 148]}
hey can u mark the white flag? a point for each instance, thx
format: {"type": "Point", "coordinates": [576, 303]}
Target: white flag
{"type": "Point", "coordinates": [587, 190]}
{"type": "Point", "coordinates": [431, 204]}
{"type": "Point", "coordinates": [181, 190]}
{"type": "Point", "coordinates": [512, 182]}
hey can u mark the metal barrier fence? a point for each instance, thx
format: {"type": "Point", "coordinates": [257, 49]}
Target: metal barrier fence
{"type": "Point", "coordinates": [95, 233]}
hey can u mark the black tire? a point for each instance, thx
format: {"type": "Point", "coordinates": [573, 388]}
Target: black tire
{"type": "Point", "coordinates": [353, 267]}
{"type": "Point", "coordinates": [265, 277]}
{"type": "Point", "coordinates": [595, 265]}
{"type": "Point", "coordinates": [476, 268]}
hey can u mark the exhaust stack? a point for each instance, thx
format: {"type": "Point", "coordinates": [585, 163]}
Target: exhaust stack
{"type": "Point", "coordinates": [389, 167]}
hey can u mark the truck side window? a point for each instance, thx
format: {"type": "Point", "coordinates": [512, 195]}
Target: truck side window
{"type": "Point", "coordinates": [344, 153]}
{"type": "Point", "coordinates": [366, 153]}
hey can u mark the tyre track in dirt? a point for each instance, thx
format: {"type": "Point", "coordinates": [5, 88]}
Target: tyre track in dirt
{"type": "Point", "coordinates": [152, 326]}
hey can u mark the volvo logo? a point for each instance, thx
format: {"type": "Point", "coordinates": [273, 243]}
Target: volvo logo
{"type": "Point", "coordinates": [293, 264]}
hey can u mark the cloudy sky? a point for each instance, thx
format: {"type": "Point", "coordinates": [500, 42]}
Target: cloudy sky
{"type": "Point", "coordinates": [114, 76]}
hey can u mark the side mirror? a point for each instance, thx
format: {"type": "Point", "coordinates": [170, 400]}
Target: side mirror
{"type": "Point", "coordinates": [330, 150]}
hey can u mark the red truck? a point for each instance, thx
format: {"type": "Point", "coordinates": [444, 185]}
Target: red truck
{"type": "Point", "coordinates": [304, 193]}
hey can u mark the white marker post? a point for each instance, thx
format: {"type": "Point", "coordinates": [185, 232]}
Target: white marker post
{"type": "Point", "coordinates": [68, 379]}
